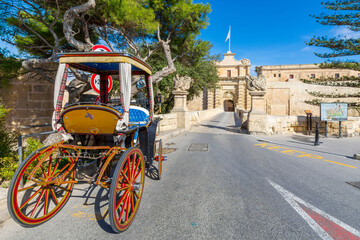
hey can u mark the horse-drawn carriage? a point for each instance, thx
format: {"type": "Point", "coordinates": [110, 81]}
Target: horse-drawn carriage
{"type": "Point", "coordinates": [117, 137]}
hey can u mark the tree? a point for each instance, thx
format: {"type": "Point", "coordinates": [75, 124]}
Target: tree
{"type": "Point", "coordinates": [340, 46]}
{"type": "Point", "coordinates": [9, 68]}
{"type": "Point", "coordinates": [146, 28]}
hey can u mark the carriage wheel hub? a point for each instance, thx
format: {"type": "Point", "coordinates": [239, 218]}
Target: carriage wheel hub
{"type": "Point", "coordinates": [135, 186]}
{"type": "Point", "coordinates": [48, 180]}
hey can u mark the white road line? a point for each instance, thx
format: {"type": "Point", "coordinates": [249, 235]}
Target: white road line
{"type": "Point", "coordinates": [292, 199]}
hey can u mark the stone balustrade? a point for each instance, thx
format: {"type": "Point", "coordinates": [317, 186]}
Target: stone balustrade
{"type": "Point", "coordinates": [170, 121]}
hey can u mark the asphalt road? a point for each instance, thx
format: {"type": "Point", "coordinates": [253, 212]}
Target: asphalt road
{"type": "Point", "coordinates": [240, 187]}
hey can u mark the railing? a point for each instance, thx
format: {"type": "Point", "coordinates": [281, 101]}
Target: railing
{"type": "Point", "coordinates": [22, 137]}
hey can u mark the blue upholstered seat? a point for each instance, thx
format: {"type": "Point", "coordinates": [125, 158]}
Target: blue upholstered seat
{"type": "Point", "coordinates": [138, 116]}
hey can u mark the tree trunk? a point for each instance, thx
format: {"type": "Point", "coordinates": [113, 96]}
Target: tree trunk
{"type": "Point", "coordinates": [37, 65]}
{"type": "Point", "coordinates": [69, 19]}
{"type": "Point", "coordinates": [170, 68]}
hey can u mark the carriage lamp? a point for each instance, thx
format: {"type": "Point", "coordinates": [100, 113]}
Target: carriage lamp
{"type": "Point", "coordinates": [159, 99]}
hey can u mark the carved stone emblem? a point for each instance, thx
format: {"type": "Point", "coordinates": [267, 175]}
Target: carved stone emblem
{"type": "Point", "coordinates": [245, 61]}
{"type": "Point", "coordinates": [182, 83]}
{"type": "Point", "coordinates": [256, 83]}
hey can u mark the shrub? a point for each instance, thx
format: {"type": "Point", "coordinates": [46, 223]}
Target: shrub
{"type": "Point", "coordinates": [10, 67]}
{"type": "Point", "coordinates": [8, 160]}
{"type": "Point", "coordinates": [7, 138]}
{"type": "Point", "coordinates": [8, 166]}
{"type": "Point", "coordinates": [32, 144]}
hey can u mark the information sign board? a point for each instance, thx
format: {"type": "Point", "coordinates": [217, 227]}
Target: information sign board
{"type": "Point", "coordinates": [334, 111]}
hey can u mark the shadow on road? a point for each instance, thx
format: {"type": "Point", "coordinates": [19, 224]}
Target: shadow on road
{"type": "Point", "coordinates": [101, 208]}
{"type": "Point", "coordinates": [100, 203]}
{"type": "Point", "coordinates": [152, 173]}
{"type": "Point", "coordinates": [101, 200]}
{"type": "Point", "coordinates": [230, 128]}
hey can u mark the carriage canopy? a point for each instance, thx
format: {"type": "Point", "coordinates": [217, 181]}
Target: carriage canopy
{"type": "Point", "coordinates": [103, 64]}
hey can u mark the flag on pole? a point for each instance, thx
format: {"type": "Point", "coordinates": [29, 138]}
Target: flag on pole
{"type": "Point", "coordinates": [228, 36]}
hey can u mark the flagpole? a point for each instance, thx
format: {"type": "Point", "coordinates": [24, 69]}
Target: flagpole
{"type": "Point", "coordinates": [229, 38]}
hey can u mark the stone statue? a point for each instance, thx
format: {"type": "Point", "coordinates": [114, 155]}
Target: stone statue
{"type": "Point", "coordinates": [182, 83]}
{"type": "Point", "coordinates": [245, 61]}
{"type": "Point", "coordinates": [256, 83]}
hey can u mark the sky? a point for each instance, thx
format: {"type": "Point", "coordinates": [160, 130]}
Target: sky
{"type": "Point", "coordinates": [268, 32]}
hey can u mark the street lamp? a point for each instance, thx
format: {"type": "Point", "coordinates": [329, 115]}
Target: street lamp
{"type": "Point", "coordinates": [159, 99]}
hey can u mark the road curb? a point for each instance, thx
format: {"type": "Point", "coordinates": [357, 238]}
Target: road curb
{"type": "Point", "coordinates": [172, 134]}
{"type": "Point", "coordinates": [4, 213]}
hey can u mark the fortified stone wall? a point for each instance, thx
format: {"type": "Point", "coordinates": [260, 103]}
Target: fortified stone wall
{"type": "Point", "coordinates": [288, 95]}
{"type": "Point", "coordinates": [289, 98]}
{"type": "Point", "coordinates": [288, 73]}
{"type": "Point", "coordinates": [30, 99]}
{"type": "Point", "coordinates": [197, 103]}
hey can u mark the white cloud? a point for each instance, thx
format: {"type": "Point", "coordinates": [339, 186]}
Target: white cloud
{"type": "Point", "coordinates": [307, 49]}
{"type": "Point", "coordinates": [345, 32]}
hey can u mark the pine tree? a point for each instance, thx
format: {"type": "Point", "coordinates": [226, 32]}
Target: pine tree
{"type": "Point", "coordinates": [340, 13]}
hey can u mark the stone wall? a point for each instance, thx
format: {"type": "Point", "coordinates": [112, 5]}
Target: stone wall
{"type": "Point", "coordinates": [197, 103]}
{"type": "Point", "coordinates": [288, 98]}
{"type": "Point", "coordinates": [288, 73]}
{"type": "Point", "coordinates": [297, 124]}
{"type": "Point", "coordinates": [30, 99]}
{"type": "Point", "coordinates": [168, 122]}
{"type": "Point", "coordinates": [291, 124]}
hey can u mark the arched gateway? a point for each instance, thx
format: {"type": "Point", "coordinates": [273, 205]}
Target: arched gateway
{"type": "Point", "coordinates": [231, 92]}
{"type": "Point", "coordinates": [229, 106]}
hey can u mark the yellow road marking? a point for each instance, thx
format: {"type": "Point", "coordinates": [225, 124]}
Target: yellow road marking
{"type": "Point", "coordinates": [277, 148]}
{"type": "Point", "coordinates": [92, 217]}
{"type": "Point", "coordinates": [340, 163]}
{"type": "Point", "coordinates": [311, 156]}
{"type": "Point", "coordinates": [291, 152]}
{"type": "Point", "coordinates": [79, 214]}
{"type": "Point", "coordinates": [288, 152]}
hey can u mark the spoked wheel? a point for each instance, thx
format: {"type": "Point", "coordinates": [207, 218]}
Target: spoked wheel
{"type": "Point", "coordinates": [41, 186]}
{"type": "Point", "coordinates": [159, 158]}
{"type": "Point", "coordinates": [126, 189]}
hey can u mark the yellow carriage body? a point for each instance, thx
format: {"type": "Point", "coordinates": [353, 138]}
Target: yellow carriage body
{"type": "Point", "coordinates": [90, 119]}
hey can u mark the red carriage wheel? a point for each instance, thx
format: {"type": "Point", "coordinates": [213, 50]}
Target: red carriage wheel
{"type": "Point", "coordinates": [41, 186]}
{"type": "Point", "coordinates": [126, 189]}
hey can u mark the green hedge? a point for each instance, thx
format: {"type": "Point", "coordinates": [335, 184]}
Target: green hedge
{"type": "Point", "coordinates": [9, 160]}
